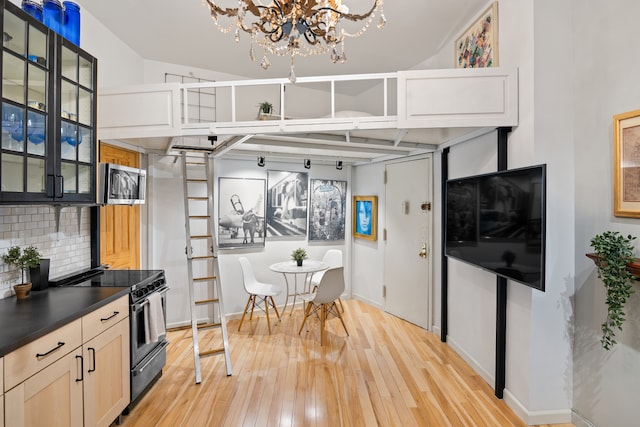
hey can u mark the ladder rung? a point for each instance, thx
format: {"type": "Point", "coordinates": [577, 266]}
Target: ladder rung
{"type": "Point", "coordinates": [199, 216]}
{"type": "Point", "coordinates": [197, 198]}
{"type": "Point", "coordinates": [211, 352]}
{"type": "Point", "coordinates": [204, 279]}
{"type": "Point", "coordinates": [201, 236]}
{"type": "Point", "coordinates": [196, 180]}
{"type": "Point", "coordinates": [195, 163]}
{"type": "Point", "coordinates": [207, 301]}
{"type": "Point", "coordinates": [195, 258]}
{"type": "Point", "coordinates": [206, 326]}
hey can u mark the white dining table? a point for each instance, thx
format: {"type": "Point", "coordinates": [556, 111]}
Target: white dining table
{"type": "Point", "coordinates": [308, 268]}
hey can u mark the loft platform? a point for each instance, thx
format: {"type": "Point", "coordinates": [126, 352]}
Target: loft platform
{"type": "Point", "coordinates": [356, 118]}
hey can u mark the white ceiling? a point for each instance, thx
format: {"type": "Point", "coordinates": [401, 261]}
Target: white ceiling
{"type": "Point", "coordinates": [182, 32]}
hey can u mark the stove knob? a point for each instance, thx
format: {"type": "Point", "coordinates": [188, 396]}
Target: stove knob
{"type": "Point", "coordinates": [139, 294]}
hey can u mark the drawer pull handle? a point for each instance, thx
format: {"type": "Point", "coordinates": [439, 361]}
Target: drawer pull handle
{"type": "Point", "coordinates": [39, 355]}
{"type": "Point", "coordinates": [93, 351]}
{"type": "Point", "coordinates": [115, 313]}
{"type": "Point", "coordinates": [81, 368]}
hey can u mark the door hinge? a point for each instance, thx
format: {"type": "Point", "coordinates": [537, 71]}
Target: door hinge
{"type": "Point", "coordinates": [425, 206]}
{"type": "Point", "coordinates": [385, 177]}
{"type": "Point", "coordinates": [384, 291]}
{"type": "Point", "coordinates": [384, 234]}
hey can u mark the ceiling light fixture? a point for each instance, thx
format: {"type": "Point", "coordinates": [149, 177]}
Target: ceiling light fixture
{"type": "Point", "coordinates": [280, 26]}
{"type": "Point", "coordinates": [261, 161]}
{"type": "Point", "coordinates": [339, 165]}
{"type": "Point", "coordinates": [307, 164]}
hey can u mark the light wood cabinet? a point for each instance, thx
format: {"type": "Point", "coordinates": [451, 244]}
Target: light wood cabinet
{"type": "Point", "coordinates": [78, 375]}
{"type": "Point", "coordinates": [106, 380]}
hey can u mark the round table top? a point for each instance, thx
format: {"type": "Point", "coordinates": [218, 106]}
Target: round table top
{"type": "Point", "coordinates": [308, 266]}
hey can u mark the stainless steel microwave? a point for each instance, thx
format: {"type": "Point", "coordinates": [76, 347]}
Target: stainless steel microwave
{"type": "Point", "coordinates": [121, 185]}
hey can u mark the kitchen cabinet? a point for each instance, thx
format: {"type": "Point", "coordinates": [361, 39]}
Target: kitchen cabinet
{"type": "Point", "coordinates": [77, 375]}
{"type": "Point", "coordinates": [48, 149]}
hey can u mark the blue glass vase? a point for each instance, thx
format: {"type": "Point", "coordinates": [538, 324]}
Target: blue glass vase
{"type": "Point", "coordinates": [52, 15]}
{"type": "Point", "coordinates": [71, 22]}
{"type": "Point", "coordinates": [32, 8]}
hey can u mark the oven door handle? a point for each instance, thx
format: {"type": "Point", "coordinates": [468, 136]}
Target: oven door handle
{"type": "Point", "coordinates": [151, 356]}
{"type": "Point", "coordinates": [137, 306]}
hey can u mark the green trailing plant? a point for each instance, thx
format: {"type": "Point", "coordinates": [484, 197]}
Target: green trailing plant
{"type": "Point", "coordinates": [298, 254]}
{"type": "Point", "coordinates": [23, 259]}
{"type": "Point", "coordinates": [613, 252]}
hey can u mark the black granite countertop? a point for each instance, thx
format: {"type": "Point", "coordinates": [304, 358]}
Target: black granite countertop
{"type": "Point", "coordinates": [26, 320]}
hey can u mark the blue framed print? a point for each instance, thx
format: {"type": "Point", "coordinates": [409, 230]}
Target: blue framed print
{"type": "Point", "coordinates": [365, 217]}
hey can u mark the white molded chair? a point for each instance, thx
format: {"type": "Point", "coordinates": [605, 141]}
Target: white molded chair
{"type": "Point", "coordinates": [260, 294]}
{"type": "Point", "coordinates": [333, 257]}
{"type": "Point", "coordinates": [324, 299]}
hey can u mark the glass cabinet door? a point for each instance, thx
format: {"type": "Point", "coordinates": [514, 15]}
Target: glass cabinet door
{"type": "Point", "coordinates": [77, 148]}
{"type": "Point", "coordinates": [26, 80]}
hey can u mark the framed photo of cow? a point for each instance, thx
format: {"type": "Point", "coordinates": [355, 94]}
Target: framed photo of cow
{"type": "Point", "coordinates": [241, 209]}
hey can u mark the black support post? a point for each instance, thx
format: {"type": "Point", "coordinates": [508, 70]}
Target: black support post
{"type": "Point", "coordinates": [95, 236]}
{"type": "Point", "coordinates": [444, 297]}
{"type": "Point", "coordinates": [501, 293]}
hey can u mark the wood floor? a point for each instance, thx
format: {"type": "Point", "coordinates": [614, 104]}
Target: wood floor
{"type": "Point", "coordinates": [386, 373]}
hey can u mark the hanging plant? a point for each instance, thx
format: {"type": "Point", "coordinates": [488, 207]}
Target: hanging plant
{"type": "Point", "coordinates": [613, 252]}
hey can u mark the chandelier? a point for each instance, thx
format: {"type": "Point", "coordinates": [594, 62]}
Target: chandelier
{"type": "Point", "coordinates": [295, 27]}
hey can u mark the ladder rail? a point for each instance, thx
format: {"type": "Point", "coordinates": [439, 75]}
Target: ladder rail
{"type": "Point", "coordinates": [213, 268]}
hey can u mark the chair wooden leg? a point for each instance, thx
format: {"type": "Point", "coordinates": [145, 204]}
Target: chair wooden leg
{"type": "Point", "coordinates": [266, 310]}
{"type": "Point", "coordinates": [323, 317]}
{"type": "Point", "coordinates": [273, 304]}
{"type": "Point", "coordinates": [246, 307]}
{"type": "Point", "coordinates": [341, 306]}
{"type": "Point", "coordinates": [252, 307]}
{"type": "Point", "coordinates": [341, 320]}
{"type": "Point", "coordinates": [307, 311]}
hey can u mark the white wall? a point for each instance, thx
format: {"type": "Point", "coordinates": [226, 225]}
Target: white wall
{"type": "Point", "coordinates": [606, 386]}
{"type": "Point", "coordinates": [168, 234]}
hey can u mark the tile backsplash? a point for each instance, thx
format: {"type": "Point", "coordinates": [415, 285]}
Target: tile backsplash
{"type": "Point", "coordinates": [69, 248]}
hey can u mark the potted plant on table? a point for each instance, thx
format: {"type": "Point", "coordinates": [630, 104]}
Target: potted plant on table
{"type": "Point", "coordinates": [265, 108]}
{"type": "Point", "coordinates": [27, 258]}
{"type": "Point", "coordinates": [613, 254]}
{"type": "Point", "coordinates": [298, 255]}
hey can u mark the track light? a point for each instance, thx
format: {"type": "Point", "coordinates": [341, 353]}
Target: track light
{"type": "Point", "coordinates": [261, 161]}
{"type": "Point", "coordinates": [307, 164]}
{"type": "Point", "coordinates": [339, 165]}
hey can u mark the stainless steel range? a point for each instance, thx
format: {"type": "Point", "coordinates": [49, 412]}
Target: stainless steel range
{"type": "Point", "coordinates": [147, 358]}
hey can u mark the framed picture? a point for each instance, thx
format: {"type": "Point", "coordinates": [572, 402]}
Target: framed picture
{"type": "Point", "coordinates": [327, 210]}
{"type": "Point", "coordinates": [240, 213]}
{"type": "Point", "coordinates": [365, 217]}
{"type": "Point", "coordinates": [287, 196]}
{"type": "Point", "coordinates": [626, 167]}
{"type": "Point", "coordinates": [477, 46]}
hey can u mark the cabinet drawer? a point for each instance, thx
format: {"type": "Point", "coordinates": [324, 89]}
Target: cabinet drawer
{"type": "Point", "coordinates": [31, 358]}
{"type": "Point", "coordinates": [105, 317]}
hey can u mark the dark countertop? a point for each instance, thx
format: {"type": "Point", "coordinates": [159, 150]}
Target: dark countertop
{"type": "Point", "coordinates": [44, 311]}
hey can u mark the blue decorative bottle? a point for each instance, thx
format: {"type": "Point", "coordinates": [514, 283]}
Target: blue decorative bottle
{"type": "Point", "coordinates": [71, 25]}
{"type": "Point", "coordinates": [52, 14]}
{"type": "Point", "coordinates": [32, 8]}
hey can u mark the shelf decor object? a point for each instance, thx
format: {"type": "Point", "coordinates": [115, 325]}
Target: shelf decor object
{"type": "Point", "coordinates": [477, 46]}
{"type": "Point", "coordinates": [294, 28]}
{"type": "Point", "coordinates": [614, 254]}
{"type": "Point", "coordinates": [626, 179]}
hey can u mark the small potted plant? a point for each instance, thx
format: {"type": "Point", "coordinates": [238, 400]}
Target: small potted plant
{"type": "Point", "coordinates": [27, 258]}
{"type": "Point", "coordinates": [614, 252]}
{"type": "Point", "coordinates": [265, 109]}
{"type": "Point", "coordinates": [298, 255]}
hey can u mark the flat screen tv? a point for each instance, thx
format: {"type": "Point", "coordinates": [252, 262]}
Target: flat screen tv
{"type": "Point", "coordinates": [496, 221]}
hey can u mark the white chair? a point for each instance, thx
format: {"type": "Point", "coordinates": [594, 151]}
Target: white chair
{"type": "Point", "coordinates": [324, 299]}
{"type": "Point", "coordinates": [333, 257]}
{"type": "Point", "coordinates": [260, 294]}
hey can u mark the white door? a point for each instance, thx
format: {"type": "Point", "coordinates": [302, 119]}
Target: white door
{"type": "Point", "coordinates": [408, 240]}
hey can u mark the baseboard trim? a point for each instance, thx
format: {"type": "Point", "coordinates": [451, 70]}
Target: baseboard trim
{"type": "Point", "coordinates": [366, 301]}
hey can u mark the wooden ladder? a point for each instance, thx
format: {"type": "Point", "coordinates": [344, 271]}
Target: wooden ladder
{"type": "Point", "coordinates": [201, 250]}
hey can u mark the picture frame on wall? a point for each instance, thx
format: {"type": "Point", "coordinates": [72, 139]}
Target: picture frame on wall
{"type": "Point", "coordinates": [365, 217]}
{"type": "Point", "coordinates": [626, 167]}
{"type": "Point", "coordinates": [241, 207]}
{"type": "Point", "coordinates": [477, 46]}
{"type": "Point", "coordinates": [327, 210]}
{"type": "Point", "coordinates": [287, 200]}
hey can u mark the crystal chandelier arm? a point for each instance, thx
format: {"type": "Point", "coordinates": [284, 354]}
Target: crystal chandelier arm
{"type": "Point", "coordinates": [350, 16]}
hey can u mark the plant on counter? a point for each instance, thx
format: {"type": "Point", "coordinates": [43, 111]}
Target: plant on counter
{"type": "Point", "coordinates": [298, 255]}
{"type": "Point", "coordinates": [613, 252]}
{"type": "Point", "coordinates": [29, 257]}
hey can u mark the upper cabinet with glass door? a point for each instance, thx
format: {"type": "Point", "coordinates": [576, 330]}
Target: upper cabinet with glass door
{"type": "Point", "coordinates": [48, 115]}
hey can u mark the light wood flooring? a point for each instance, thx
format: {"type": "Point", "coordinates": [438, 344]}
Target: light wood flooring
{"type": "Point", "coordinates": [386, 373]}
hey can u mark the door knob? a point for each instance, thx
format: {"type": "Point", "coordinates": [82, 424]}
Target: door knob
{"type": "Point", "coordinates": [423, 251]}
